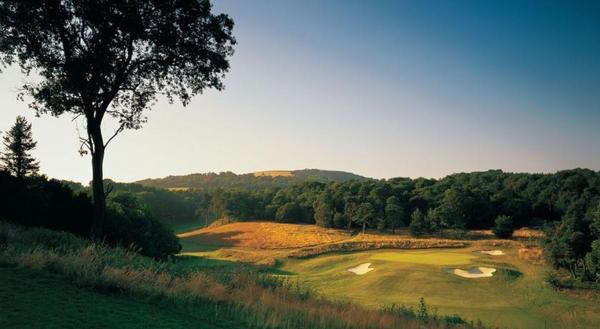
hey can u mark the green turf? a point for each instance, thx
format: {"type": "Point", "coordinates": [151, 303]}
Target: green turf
{"type": "Point", "coordinates": [425, 257]}
{"type": "Point", "coordinates": [34, 299]}
{"type": "Point", "coordinates": [516, 296]}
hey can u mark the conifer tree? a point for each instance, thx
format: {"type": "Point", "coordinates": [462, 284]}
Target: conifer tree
{"type": "Point", "coordinates": [18, 143]}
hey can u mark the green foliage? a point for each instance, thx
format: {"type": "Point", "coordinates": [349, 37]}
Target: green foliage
{"type": "Point", "coordinates": [289, 212]}
{"type": "Point", "coordinates": [18, 143]}
{"type": "Point", "coordinates": [418, 226]}
{"type": "Point", "coordinates": [128, 223]}
{"type": "Point", "coordinates": [592, 260]}
{"type": "Point", "coordinates": [503, 227]}
{"type": "Point", "coordinates": [324, 210]}
{"type": "Point", "coordinates": [365, 215]}
{"type": "Point", "coordinates": [340, 220]}
{"type": "Point", "coordinates": [394, 212]}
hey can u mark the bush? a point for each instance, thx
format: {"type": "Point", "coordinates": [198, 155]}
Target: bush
{"type": "Point", "coordinates": [504, 227]}
{"type": "Point", "coordinates": [128, 223]}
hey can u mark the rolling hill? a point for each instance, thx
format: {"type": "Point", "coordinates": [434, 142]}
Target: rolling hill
{"type": "Point", "coordinates": [256, 180]}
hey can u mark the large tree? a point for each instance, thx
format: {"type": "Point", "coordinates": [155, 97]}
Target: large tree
{"type": "Point", "coordinates": [94, 58]}
{"type": "Point", "coordinates": [365, 215]}
{"type": "Point", "coordinates": [18, 142]}
{"type": "Point", "coordinates": [324, 209]}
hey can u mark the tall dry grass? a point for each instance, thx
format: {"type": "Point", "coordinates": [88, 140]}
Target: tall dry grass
{"type": "Point", "coordinates": [261, 301]}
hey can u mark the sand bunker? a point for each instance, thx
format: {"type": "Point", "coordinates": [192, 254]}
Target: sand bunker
{"type": "Point", "coordinates": [361, 269]}
{"type": "Point", "coordinates": [475, 272]}
{"type": "Point", "coordinates": [492, 252]}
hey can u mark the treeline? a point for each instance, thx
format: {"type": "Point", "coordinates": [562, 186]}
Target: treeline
{"type": "Point", "coordinates": [467, 200]}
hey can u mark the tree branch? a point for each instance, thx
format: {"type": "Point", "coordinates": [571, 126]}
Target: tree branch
{"type": "Point", "coordinates": [120, 129]}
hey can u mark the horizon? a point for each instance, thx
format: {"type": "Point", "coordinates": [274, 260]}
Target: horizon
{"type": "Point", "coordinates": [406, 89]}
{"type": "Point", "coordinates": [333, 170]}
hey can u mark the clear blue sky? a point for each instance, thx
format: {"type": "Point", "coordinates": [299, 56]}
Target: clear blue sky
{"type": "Point", "coordinates": [383, 89]}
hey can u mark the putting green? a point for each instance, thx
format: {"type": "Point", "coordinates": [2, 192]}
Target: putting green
{"type": "Point", "coordinates": [516, 296]}
{"type": "Point", "coordinates": [425, 257]}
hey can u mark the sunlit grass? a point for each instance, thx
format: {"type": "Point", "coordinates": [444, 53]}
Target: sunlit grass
{"type": "Point", "coordinates": [425, 257]}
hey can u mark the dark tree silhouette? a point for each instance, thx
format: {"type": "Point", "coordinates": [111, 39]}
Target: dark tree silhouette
{"type": "Point", "coordinates": [113, 57]}
{"type": "Point", "coordinates": [18, 142]}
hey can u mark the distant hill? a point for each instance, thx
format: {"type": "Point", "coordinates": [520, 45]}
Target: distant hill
{"type": "Point", "coordinates": [257, 180]}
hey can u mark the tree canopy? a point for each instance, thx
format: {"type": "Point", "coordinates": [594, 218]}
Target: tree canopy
{"type": "Point", "coordinates": [99, 58]}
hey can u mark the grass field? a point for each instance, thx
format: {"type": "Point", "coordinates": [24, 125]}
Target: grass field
{"type": "Point", "coordinates": [515, 297]}
{"type": "Point", "coordinates": [39, 299]}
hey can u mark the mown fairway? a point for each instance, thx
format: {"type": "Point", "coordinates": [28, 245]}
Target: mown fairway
{"type": "Point", "coordinates": [515, 297]}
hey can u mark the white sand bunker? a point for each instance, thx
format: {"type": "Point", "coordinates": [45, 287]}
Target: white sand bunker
{"type": "Point", "coordinates": [475, 272]}
{"type": "Point", "coordinates": [492, 252]}
{"type": "Point", "coordinates": [361, 269]}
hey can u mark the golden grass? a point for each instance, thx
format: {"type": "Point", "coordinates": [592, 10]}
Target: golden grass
{"type": "Point", "coordinates": [266, 235]}
{"type": "Point", "coordinates": [264, 242]}
{"type": "Point", "coordinates": [533, 255]}
{"type": "Point", "coordinates": [273, 173]}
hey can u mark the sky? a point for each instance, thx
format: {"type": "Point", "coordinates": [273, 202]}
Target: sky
{"type": "Point", "coordinates": [379, 88]}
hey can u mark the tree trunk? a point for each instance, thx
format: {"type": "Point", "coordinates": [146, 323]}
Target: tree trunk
{"type": "Point", "coordinates": [364, 226]}
{"type": "Point", "coordinates": [97, 179]}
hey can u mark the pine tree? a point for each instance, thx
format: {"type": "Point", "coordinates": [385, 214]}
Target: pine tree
{"type": "Point", "coordinates": [18, 142]}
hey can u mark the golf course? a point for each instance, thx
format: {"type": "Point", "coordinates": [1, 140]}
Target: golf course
{"type": "Point", "coordinates": [500, 282]}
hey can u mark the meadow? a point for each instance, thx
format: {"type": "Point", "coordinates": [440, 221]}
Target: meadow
{"type": "Point", "coordinates": [516, 296]}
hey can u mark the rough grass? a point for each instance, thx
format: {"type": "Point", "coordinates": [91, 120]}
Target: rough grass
{"type": "Point", "coordinates": [32, 299]}
{"type": "Point", "coordinates": [244, 296]}
{"type": "Point", "coordinates": [266, 235]}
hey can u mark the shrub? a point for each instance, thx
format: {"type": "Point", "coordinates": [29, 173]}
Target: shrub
{"type": "Point", "coordinates": [128, 223]}
{"type": "Point", "coordinates": [504, 227]}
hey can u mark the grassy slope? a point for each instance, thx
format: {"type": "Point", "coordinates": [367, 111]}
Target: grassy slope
{"type": "Point", "coordinates": [39, 299]}
{"type": "Point", "coordinates": [402, 277]}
